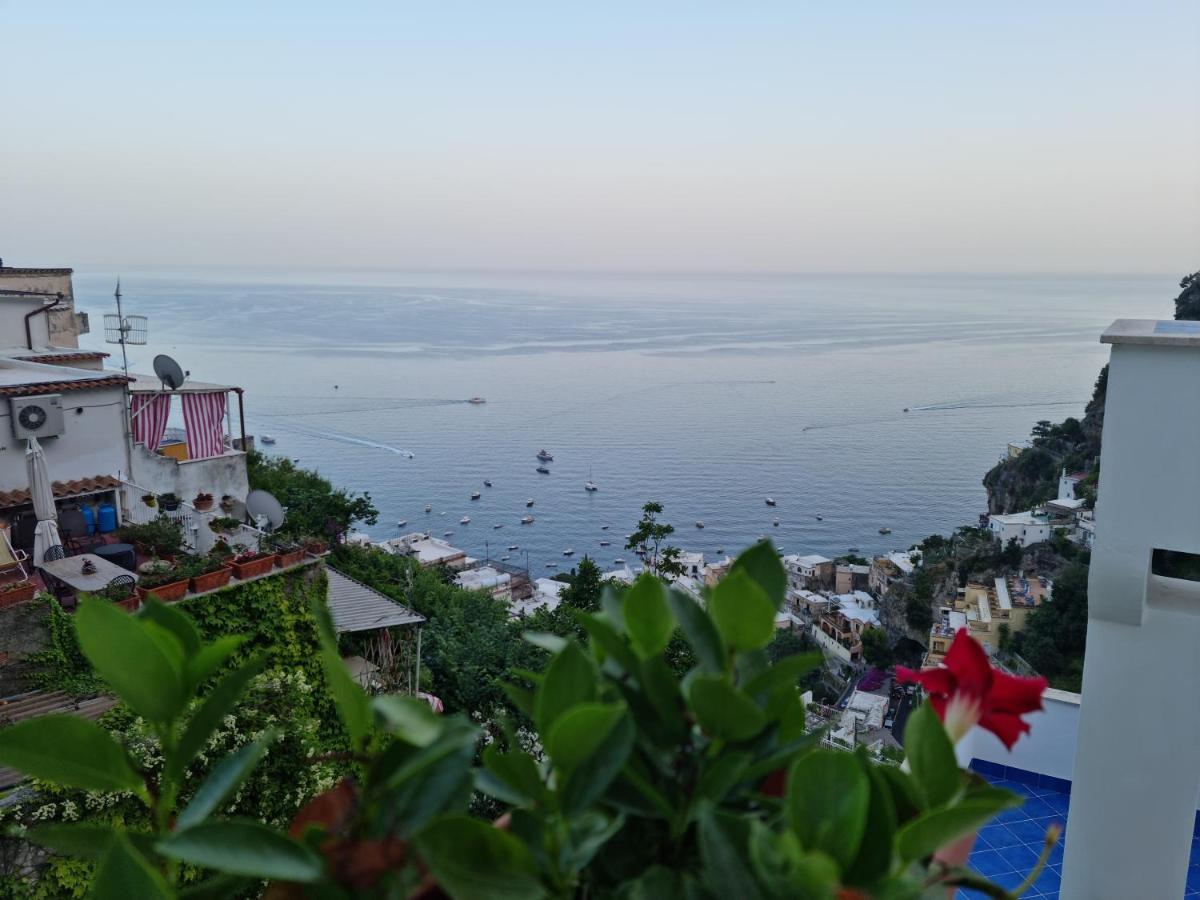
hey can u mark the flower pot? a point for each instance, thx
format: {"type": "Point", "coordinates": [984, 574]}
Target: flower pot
{"type": "Point", "coordinates": [316, 548]}
{"type": "Point", "coordinates": [253, 567]}
{"type": "Point", "coordinates": [133, 603]}
{"type": "Point", "coordinates": [202, 505]}
{"type": "Point", "coordinates": [21, 593]}
{"type": "Point", "coordinates": [289, 557]}
{"type": "Point", "coordinates": [211, 580]}
{"type": "Point", "coordinates": [174, 590]}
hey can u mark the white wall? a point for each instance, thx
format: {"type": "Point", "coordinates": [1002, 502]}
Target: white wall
{"type": "Point", "coordinates": [93, 442]}
{"type": "Point", "coordinates": [830, 646]}
{"type": "Point", "coordinates": [1048, 749]}
{"type": "Point", "coordinates": [219, 475]}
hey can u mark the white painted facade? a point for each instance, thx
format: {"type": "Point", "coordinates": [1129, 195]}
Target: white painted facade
{"type": "Point", "coordinates": [1025, 527]}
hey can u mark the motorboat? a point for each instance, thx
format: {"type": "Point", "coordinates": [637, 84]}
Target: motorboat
{"type": "Point", "coordinates": [568, 552]}
{"type": "Point", "coordinates": [545, 456]}
{"type": "Point", "coordinates": [402, 523]}
{"type": "Point", "coordinates": [428, 508]}
{"type": "Point", "coordinates": [513, 547]}
{"type": "Point", "coordinates": [542, 470]}
{"type": "Point", "coordinates": [504, 559]}
{"type": "Point", "coordinates": [266, 439]}
{"type": "Point", "coordinates": [487, 482]}
{"type": "Point", "coordinates": [606, 543]}
{"type": "Point", "coordinates": [775, 521]}
{"type": "Point", "coordinates": [619, 561]}
{"type": "Point", "coordinates": [770, 501]}
{"type": "Point", "coordinates": [498, 525]}
{"type": "Point", "coordinates": [526, 520]}
{"type": "Point", "coordinates": [590, 485]}
{"type": "Point", "coordinates": [551, 565]}
{"type": "Point", "coordinates": [699, 524]}
{"type": "Point", "coordinates": [885, 530]}
{"type": "Point", "coordinates": [604, 528]}
{"type": "Point", "coordinates": [820, 518]}
{"type": "Point", "coordinates": [465, 520]}
{"type": "Point", "coordinates": [475, 495]}
{"type": "Point", "coordinates": [447, 533]}
{"type": "Point", "coordinates": [477, 400]}
{"type": "Point", "coordinates": [529, 502]}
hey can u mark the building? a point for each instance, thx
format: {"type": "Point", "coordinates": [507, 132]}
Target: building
{"type": "Point", "coordinates": [428, 551]}
{"type": "Point", "coordinates": [546, 595]}
{"type": "Point", "coordinates": [889, 568]}
{"type": "Point", "coordinates": [810, 572]}
{"type": "Point", "coordinates": [982, 609]}
{"type": "Point", "coordinates": [714, 572]}
{"type": "Point", "coordinates": [839, 629]}
{"type": "Point", "coordinates": [1016, 448]}
{"type": "Point", "coordinates": [486, 578]}
{"type": "Point", "coordinates": [1026, 528]}
{"type": "Point", "coordinates": [37, 308]}
{"type": "Point", "coordinates": [847, 578]}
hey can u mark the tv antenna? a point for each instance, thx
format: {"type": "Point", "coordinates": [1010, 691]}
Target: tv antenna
{"type": "Point", "coordinates": [264, 510]}
{"type": "Point", "coordinates": [169, 372]}
{"type": "Point", "coordinates": [122, 329]}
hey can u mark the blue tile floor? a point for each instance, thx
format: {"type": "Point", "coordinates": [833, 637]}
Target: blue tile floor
{"type": "Point", "coordinates": [1008, 848]}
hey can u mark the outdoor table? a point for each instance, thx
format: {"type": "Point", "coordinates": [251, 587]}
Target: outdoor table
{"type": "Point", "coordinates": [121, 554]}
{"type": "Point", "coordinates": [68, 572]}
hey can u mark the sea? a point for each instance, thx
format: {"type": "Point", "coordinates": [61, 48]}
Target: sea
{"type": "Point", "coordinates": [857, 403]}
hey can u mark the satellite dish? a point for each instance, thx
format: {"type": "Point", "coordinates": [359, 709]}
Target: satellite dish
{"type": "Point", "coordinates": [263, 505]}
{"type": "Point", "coordinates": [168, 372]}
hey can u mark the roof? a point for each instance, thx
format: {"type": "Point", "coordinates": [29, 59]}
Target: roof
{"type": "Point", "coordinates": [62, 489]}
{"type": "Point", "coordinates": [1021, 518]}
{"type": "Point", "coordinates": [856, 570]}
{"type": "Point", "coordinates": [1151, 332]}
{"type": "Point", "coordinates": [548, 587]}
{"type": "Point", "coordinates": [902, 561]}
{"type": "Point", "coordinates": [356, 607]}
{"type": "Point", "coordinates": [151, 384]}
{"type": "Point", "coordinates": [20, 378]}
{"type": "Point", "coordinates": [482, 578]}
{"type": "Point", "coordinates": [53, 354]}
{"type": "Point", "coordinates": [13, 270]}
{"type": "Point", "coordinates": [1002, 598]}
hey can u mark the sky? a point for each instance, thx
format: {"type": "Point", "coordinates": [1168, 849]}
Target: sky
{"type": "Point", "coordinates": [757, 137]}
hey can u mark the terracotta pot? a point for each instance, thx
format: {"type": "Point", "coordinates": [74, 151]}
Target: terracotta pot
{"type": "Point", "coordinates": [211, 580]}
{"type": "Point", "coordinates": [203, 505]}
{"type": "Point", "coordinates": [134, 601]}
{"type": "Point", "coordinates": [174, 590]}
{"type": "Point", "coordinates": [289, 558]}
{"type": "Point", "coordinates": [23, 592]}
{"type": "Point", "coordinates": [316, 548]}
{"type": "Point", "coordinates": [254, 567]}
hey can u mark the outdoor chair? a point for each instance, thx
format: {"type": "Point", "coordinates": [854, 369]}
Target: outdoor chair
{"type": "Point", "coordinates": [11, 558]}
{"type": "Point", "coordinates": [121, 587]}
{"type": "Point", "coordinates": [55, 552]}
{"type": "Point", "coordinates": [74, 528]}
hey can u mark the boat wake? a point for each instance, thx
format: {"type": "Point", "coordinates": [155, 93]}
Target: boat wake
{"type": "Point", "coordinates": [339, 437]}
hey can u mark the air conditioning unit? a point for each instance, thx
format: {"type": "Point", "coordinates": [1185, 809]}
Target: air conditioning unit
{"type": "Point", "coordinates": [38, 417]}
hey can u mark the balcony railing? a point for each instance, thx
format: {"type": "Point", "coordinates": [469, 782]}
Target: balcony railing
{"type": "Point", "coordinates": [198, 538]}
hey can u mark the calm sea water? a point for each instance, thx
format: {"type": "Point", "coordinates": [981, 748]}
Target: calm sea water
{"type": "Point", "coordinates": [706, 393]}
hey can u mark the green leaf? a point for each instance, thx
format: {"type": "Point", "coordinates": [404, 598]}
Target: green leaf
{"type": "Point", "coordinates": [591, 777]}
{"type": "Point", "coordinates": [905, 797]}
{"type": "Point", "coordinates": [516, 769]}
{"type": "Point", "coordinates": [931, 757]}
{"type": "Point", "coordinates": [70, 751]}
{"type": "Point", "coordinates": [570, 679]}
{"type": "Point", "coordinates": [743, 614]}
{"type": "Point", "coordinates": [409, 719]}
{"type": "Point", "coordinates": [141, 661]}
{"type": "Point", "coordinates": [607, 639]}
{"type": "Point", "coordinates": [352, 703]}
{"type": "Point", "coordinates": [762, 564]}
{"type": "Point", "coordinates": [647, 617]}
{"type": "Point", "coordinates": [577, 734]}
{"type": "Point", "coordinates": [76, 839]}
{"type": "Point", "coordinates": [875, 854]}
{"type": "Point", "coordinates": [244, 848]}
{"type": "Point", "coordinates": [701, 633]}
{"type": "Point", "coordinates": [219, 887]}
{"type": "Point", "coordinates": [935, 829]}
{"type": "Point", "coordinates": [546, 640]}
{"type": "Point", "coordinates": [174, 621]}
{"type": "Point", "coordinates": [786, 672]}
{"type": "Point", "coordinates": [724, 851]}
{"type": "Point", "coordinates": [719, 776]}
{"type": "Point", "coordinates": [124, 873]}
{"type": "Point", "coordinates": [586, 834]}
{"type": "Point", "coordinates": [520, 697]}
{"type": "Point", "coordinates": [827, 803]}
{"type": "Point", "coordinates": [423, 782]}
{"type": "Point", "coordinates": [788, 872]}
{"type": "Point", "coordinates": [660, 687]}
{"type": "Point", "coordinates": [474, 861]}
{"type": "Point", "coordinates": [222, 781]}
{"type": "Point", "coordinates": [205, 720]}
{"type": "Point", "coordinates": [211, 657]}
{"type": "Point", "coordinates": [722, 710]}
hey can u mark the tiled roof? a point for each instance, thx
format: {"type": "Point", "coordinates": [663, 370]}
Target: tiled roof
{"type": "Point", "coordinates": [69, 356]}
{"type": "Point", "coordinates": [12, 270]}
{"type": "Point", "coordinates": [58, 387]}
{"type": "Point", "coordinates": [62, 489]}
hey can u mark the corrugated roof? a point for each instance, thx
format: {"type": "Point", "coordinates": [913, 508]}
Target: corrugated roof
{"type": "Point", "coordinates": [72, 488]}
{"type": "Point", "coordinates": [356, 607]}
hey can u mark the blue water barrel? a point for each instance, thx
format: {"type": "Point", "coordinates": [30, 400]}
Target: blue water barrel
{"type": "Point", "coordinates": [108, 518]}
{"type": "Point", "coordinates": [89, 516]}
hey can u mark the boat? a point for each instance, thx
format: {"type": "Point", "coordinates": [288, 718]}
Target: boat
{"type": "Point", "coordinates": [475, 495]}
{"type": "Point", "coordinates": [568, 552]}
{"type": "Point", "coordinates": [295, 459]}
{"type": "Point", "coordinates": [775, 521]}
{"type": "Point", "coordinates": [699, 524]}
{"type": "Point", "coordinates": [266, 439]}
{"type": "Point", "coordinates": [906, 409]}
{"type": "Point", "coordinates": [504, 559]}
{"type": "Point", "coordinates": [885, 530]}
{"type": "Point", "coordinates": [428, 508]}
{"type": "Point", "coordinates": [513, 547]}
{"type": "Point", "coordinates": [465, 520]}
{"type": "Point", "coordinates": [604, 528]}
{"type": "Point", "coordinates": [720, 549]}
{"type": "Point", "coordinates": [542, 470]}
{"type": "Point", "coordinates": [526, 520]}
{"type": "Point", "coordinates": [529, 502]}
{"type": "Point", "coordinates": [820, 518]}
{"type": "Point", "coordinates": [447, 533]}
{"type": "Point", "coordinates": [606, 543]}
{"type": "Point", "coordinates": [618, 561]}
{"type": "Point", "coordinates": [852, 550]}
{"type": "Point", "coordinates": [770, 501]}
{"type": "Point", "coordinates": [402, 523]}
{"type": "Point", "coordinates": [497, 525]}
{"type": "Point", "coordinates": [477, 400]}
{"type": "Point", "coordinates": [545, 456]}
{"type": "Point", "coordinates": [590, 485]}
{"type": "Point", "coordinates": [487, 482]}
{"type": "Point", "coordinates": [551, 565]}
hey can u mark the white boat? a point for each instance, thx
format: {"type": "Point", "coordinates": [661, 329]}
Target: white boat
{"type": "Point", "coordinates": [526, 520]}
{"type": "Point", "coordinates": [619, 561]}
{"type": "Point", "coordinates": [605, 543]}
{"type": "Point", "coordinates": [477, 400]}
{"type": "Point", "coordinates": [513, 547]}
{"type": "Point", "coordinates": [699, 524]}
{"type": "Point", "coordinates": [775, 522]}
{"type": "Point", "coordinates": [295, 459]}
{"type": "Point", "coordinates": [604, 528]}
{"type": "Point", "coordinates": [590, 486]}
{"type": "Point", "coordinates": [497, 525]}
{"type": "Point", "coordinates": [475, 495]}
{"type": "Point", "coordinates": [545, 456]}
{"type": "Point", "coordinates": [465, 520]}
{"type": "Point", "coordinates": [551, 565]}
{"type": "Point", "coordinates": [568, 552]}
{"type": "Point", "coordinates": [266, 439]}
{"type": "Point", "coordinates": [504, 559]}
{"type": "Point", "coordinates": [529, 502]}
{"type": "Point", "coordinates": [402, 523]}
{"type": "Point", "coordinates": [487, 482]}
{"type": "Point", "coordinates": [447, 533]}
{"type": "Point", "coordinates": [428, 508]}
{"type": "Point", "coordinates": [885, 530]}
{"type": "Point", "coordinates": [770, 501]}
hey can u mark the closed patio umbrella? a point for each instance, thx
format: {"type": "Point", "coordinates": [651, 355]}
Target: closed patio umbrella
{"type": "Point", "coordinates": [42, 495]}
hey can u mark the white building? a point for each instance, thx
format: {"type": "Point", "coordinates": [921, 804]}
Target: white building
{"type": "Point", "coordinates": [547, 594]}
{"type": "Point", "coordinates": [485, 578]}
{"type": "Point", "coordinates": [427, 550]}
{"type": "Point", "coordinates": [810, 571]}
{"type": "Point", "coordinates": [1025, 527]}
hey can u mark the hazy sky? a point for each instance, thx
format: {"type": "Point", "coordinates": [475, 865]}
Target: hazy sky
{"type": "Point", "coordinates": [891, 136]}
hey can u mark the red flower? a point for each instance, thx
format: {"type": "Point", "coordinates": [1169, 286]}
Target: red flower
{"type": "Point", "coordinates": [966, 691]}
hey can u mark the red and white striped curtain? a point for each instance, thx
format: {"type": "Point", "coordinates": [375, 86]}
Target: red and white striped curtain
{"type": "Point", "coordinates": [204, 423]}
{"type": "Point", "coordinates": [150, 413]}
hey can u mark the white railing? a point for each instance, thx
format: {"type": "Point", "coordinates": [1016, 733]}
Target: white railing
{"type": "Point", "coordinates": [197, 536]}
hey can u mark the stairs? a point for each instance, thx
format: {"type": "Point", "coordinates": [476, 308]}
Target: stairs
{"type": "Point", "coordinates": [32, 704]}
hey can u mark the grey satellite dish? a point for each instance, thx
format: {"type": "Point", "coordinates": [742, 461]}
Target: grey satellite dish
{"type": "Point", "coordinates": [168, 372]}
{"type": "Point", "coordinates": [263, 507]}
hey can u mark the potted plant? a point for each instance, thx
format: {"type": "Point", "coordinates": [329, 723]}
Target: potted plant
{"type": "Point", "coordinates": [163, 580]}
{"type": "Point", "coordinates": [228, 502]}
{"type": "Point", "coordinates": [224, 524]}
{"type": "Point", "coordinates": [314, 545]}
{"type": "Point", "coordinates": [161, 538]}
{"type": "Point", "coordinates": [208, 573]}
{"type": "Point", "coordinates": [251, 563]}
{"type": "Point", "coordinates": [168, 501]}
{"type": "Point", "coordinates": [287, 552]}
{"type": "Point", "coordinates": [16, 592]}
{"type": "Point", "coordinates": [150, 500]}
{"type": "Point", "coordinates": [127, 597]}
{"type": "Point", "coordinates": [203, 502]}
